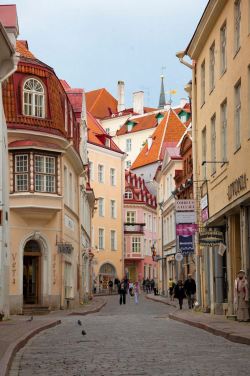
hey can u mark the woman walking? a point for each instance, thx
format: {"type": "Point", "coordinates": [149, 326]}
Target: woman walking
{"type": "Point", "coordinates": [136, 292]}
{"type": "Point", "coordinates": [241, 296]}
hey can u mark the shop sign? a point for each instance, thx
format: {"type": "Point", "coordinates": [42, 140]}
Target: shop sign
{"type": "Point", "coordinates": [204, 202]}
{"type": "Point", "coordinates": [65, 248]}
{"type": "Point", "coordinates": [185, 217]}
{"type": "Point", "coordinates": [204, 215]}
{"type": "Point", "coordinates": [237, 186]}
{"type": "Point", "coordinates": [186, 244]}
{"type": "Point", "coordinates": [186, 229]}
{"type": "Point", "coordinates": [211, 237]}
{"type": "Point", "coordinates": [184, 205]}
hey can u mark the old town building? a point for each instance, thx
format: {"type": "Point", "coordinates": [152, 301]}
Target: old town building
{"type": "Point", "coordinates": [106, 162]}
{"type": "Point", "coordinates": [140, 229]}
{"type": "Point", "coordinates": [8, 62]}
{"type": "Point", "coordinates": [221, 132]}
{"type": "Point", "coordinates": [45, 165]}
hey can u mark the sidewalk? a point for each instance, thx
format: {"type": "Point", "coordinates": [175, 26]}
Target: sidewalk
{"type": "Point", "coordinates": [215, 324]}
{"type": "Point", "coordinates": [16, 332]}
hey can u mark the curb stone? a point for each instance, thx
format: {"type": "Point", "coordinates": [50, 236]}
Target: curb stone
{"type": "Point", "coordinates": [97, 309]}
{"type": "Point", "coordinates": [7, 359]}
{"type": "Point", "coordinates": [229, 336]}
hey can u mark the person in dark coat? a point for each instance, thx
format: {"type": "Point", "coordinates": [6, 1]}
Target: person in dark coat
{"type": "Point", "coordinates": [122, 290]}
{"type": "Point", "coordinates": [152, 284]}
{"type": "Point", "coordinates": [190, 290]}
{"type": "Point", "coordinates": [148, 285]}
{"type": "Point", "coordinates": [179, 293]}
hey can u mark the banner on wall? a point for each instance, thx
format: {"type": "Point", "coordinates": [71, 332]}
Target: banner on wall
{"type": "Point", "coordinates": [186, 244]}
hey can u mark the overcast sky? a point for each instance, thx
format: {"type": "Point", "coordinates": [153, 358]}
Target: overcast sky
{"type": "Point", "coordinates": [95, 43]}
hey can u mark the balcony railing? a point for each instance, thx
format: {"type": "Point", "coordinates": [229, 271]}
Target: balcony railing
{"type": "Point", "coordinates": [134, 228]}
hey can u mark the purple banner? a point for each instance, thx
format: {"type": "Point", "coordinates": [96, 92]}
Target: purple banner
{"type": "Point", "coordinates": [186, 229]}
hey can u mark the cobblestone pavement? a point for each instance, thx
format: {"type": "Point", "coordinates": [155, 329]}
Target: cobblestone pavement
{"type": "Point", "coordinates": [130, 340]}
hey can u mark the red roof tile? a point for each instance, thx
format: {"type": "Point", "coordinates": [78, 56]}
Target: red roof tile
{"type": "Point", "coordinates": [97, 135]}
{"type": "Point", "coordinates": [141, 123]}
{"type": "Point", "coordinates": [75, 97]}
{"type": "Point", "coordinates": [137, 186]}
{"type": "Point", "coordinates": [171, 130]}
{"type": "Point", "coordinates": [100, 103]}
{"type": "Point", "coordinates": [8, 16]}
{"type": "Point", "coordinates": [23, 49]}
{"type": "Point", "coordinates": [30, 144]}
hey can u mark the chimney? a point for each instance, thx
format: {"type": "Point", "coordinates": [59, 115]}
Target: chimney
{"type": "Point", "coordinates": [183, 102]}
{"type": "Point", "coordinates": [138, 102]}
{"type": "Point", "coordinates": [121, 96]}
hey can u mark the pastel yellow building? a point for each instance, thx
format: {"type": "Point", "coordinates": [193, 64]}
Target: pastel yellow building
{"type": "Point", "coordinates": [220, 49]}
{"type": "Point", "coordinates": [107, 180]}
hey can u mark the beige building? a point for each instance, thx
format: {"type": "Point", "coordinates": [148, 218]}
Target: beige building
{"type": "Point", "coordinates": [45, 166]}
{"type": "Point", "coordinates": [220, 49]}
{"type": "Point", "coordinates": [107, 179]}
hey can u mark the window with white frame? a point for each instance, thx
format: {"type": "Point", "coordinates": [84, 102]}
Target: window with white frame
{"type": "Point", "coordinates": [101, 238]}
{"type": "Point", "coordinates": [154, 224]}
{"type": "Point", "coordinates": [100, 173]}
{"type": "Point", "coordinates": [33, 98]}
{"type": "Point", "coordinates": [223, 48]}
{"type": "Point", "coordinates": [128, 144]}
{"type": "Point", "coordinates": [237, 25]}
{"type": "Point", "coordinates": [101, 206]}
{"type": "Point", "coordinates": [213, 144]}
{"type": "Point", "coordinates": [113, 208]}
{"type": "Point", "coordinates": [128, 164]}
{"type": "Point", "coordinates": [145, 220]}
{"type": "Point", "coordinates": [170, 184]}
{"type": "Point", "coordinates": [136, 244]}
{"type": "Point", "coordinates": [128, 195]}
{"type": "Point", "coordinates": [237, 115]}
{"type": "Point", "coordinates": [130, 217]}
{"type": "Point", "coordinates": [145, 246]}
{"type": "Point", "coordinates": [203, 82]}
{"type": "Point", "coordinates": [150, 222]}
{"type": "Point", "coordinates": [212, 66]}
{"type": "Point", "coordinates": [223, 109]}
{"type": "Point", "coordinates": [21, 172]}
{"type": "Point", "coordinates": [112, 176]}
{"type": "Point", "coordinates": [113, 240]}
{"type": "Point", "coordinates": [91, 170]}
{"type": "Point", "coordinates": [45, 170]}
{"type": "Point", "coordinates": [204, 150]}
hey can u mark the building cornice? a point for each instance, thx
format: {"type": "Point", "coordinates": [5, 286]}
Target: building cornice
{"type": "Point", "coordinates": [205, 25]}
{"type": "Point", "coordinates": [101, 149]}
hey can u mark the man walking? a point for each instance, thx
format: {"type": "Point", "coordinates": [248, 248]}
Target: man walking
{"type": "Point", "coordinates": [190, 290]}
{"type": "Point", "coordinates": [122, 290]}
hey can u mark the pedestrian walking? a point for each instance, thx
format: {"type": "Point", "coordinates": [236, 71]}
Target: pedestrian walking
{"type": "Point", "coordinates": [152, 285]}
{"type": "Point", "coordinates": [144, 284]}
{"type": "Point", "coordinates": [136, 292]}
{"type": "Point", "coordinates": [190, 290]}
{"type": "Point", "coordinates": [171, 286]}
{"type": "Point", "coordinates": [122, 291]}
{"type": "Point", "coordinates": [241, 296]}
{"type": "Point", "coordinates": [179, 293]}
{"type": "Point", "coordinates": [110, 286]}
{"type": "Point", "coordinates": [147, 284]}
{"type": "Point", "coordinates": [131, 288]}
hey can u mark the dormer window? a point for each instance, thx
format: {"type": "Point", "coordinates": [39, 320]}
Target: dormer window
{"type": "Point", "coordinates": [128, 195]}
{"type": "Point", "coordinates": [33, 98]}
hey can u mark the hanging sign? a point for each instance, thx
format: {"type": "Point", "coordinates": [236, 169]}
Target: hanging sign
{"type": "Point", "coordinates": [211, 237]}
{"type": "Point", "coordinates": [184, 205]}
{"type": "Point", "coordinates": [65, 248]}
{"type": "Point", "coordinates": [186, 244]}
{"type": "Point", "coordinates": [185, 217]}
{"type": "Point", "coordinates": [186, 228]}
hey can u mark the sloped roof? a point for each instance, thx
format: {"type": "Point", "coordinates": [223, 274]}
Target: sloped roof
{"type": "Point", "coordinates": [97, 135]}
{"type": "Point", "coordinates": [141, 194]}
{"type": "Point", "coordinates": [8, 16]}
{"type": "Point", "coordinates": [100, 103]}
{"type": "Point", "coordinates": [170, 130]}
{"type": "Point", "coordinates": [143, 122]}
{"type": "Point", "coordinates": [23, 49]}
{"type": "Point", "coordinates": [75, 97]}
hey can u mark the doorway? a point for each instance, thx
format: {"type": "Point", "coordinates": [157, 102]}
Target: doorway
{"type": "Point", "coordinates": [31, 272]}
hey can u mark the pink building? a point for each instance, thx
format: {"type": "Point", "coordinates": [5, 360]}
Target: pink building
{"type": "Point", "coordinates": [140, 229]}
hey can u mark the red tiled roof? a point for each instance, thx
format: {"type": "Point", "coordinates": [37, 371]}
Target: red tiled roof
{"type": "Point", "coordinates": [75, 97]}
{"type": "Point", "coordinates": [100, 103]}
{"type": "Point", "coordinates": [141, 194]}
{"type": "Point", "coordinates": [23, 49]}
{"type": "Point", "coordinates": [8, 16]}
{"type": "Point", "coordinates": [171, 130]}
{"type": "Point", "coordinates": [97, 135]}
{"type": "Point", "coordinates": [30, 144]}
{"type": "Point", "coordinates": [141, 123]}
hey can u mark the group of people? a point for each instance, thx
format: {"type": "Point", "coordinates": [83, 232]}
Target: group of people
{"type": "Point", "coordinates": [149, 285]}
{"type": "Point", "coordinates": [126, 287]}
{"type": "Point", "coordinates": [182, 290]}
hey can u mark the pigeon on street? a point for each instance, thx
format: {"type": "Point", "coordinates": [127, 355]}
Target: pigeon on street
{"type": "Point", "coordinates": [84, 333]}
{"type": "Point", "coordinates": [79, 322]}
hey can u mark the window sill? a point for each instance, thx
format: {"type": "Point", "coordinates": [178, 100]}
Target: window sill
{"type": "Point", "coordinates": [236, 52]}
{"type": "Point", "coordinates": [211, 90]}
{"type": "Point", "coordinates": [223, 73]}
{"type": "Point", "coordinates": [236, 151]}
{"type": "Point", "coordinates": [202, 104]}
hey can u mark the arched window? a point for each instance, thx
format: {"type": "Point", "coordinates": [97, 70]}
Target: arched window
{"type": "Point", "coordinates": [33, 98]}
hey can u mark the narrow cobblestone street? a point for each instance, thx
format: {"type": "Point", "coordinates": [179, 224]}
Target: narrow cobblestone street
{"type": "Point", "coordinates": [129, 340]}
